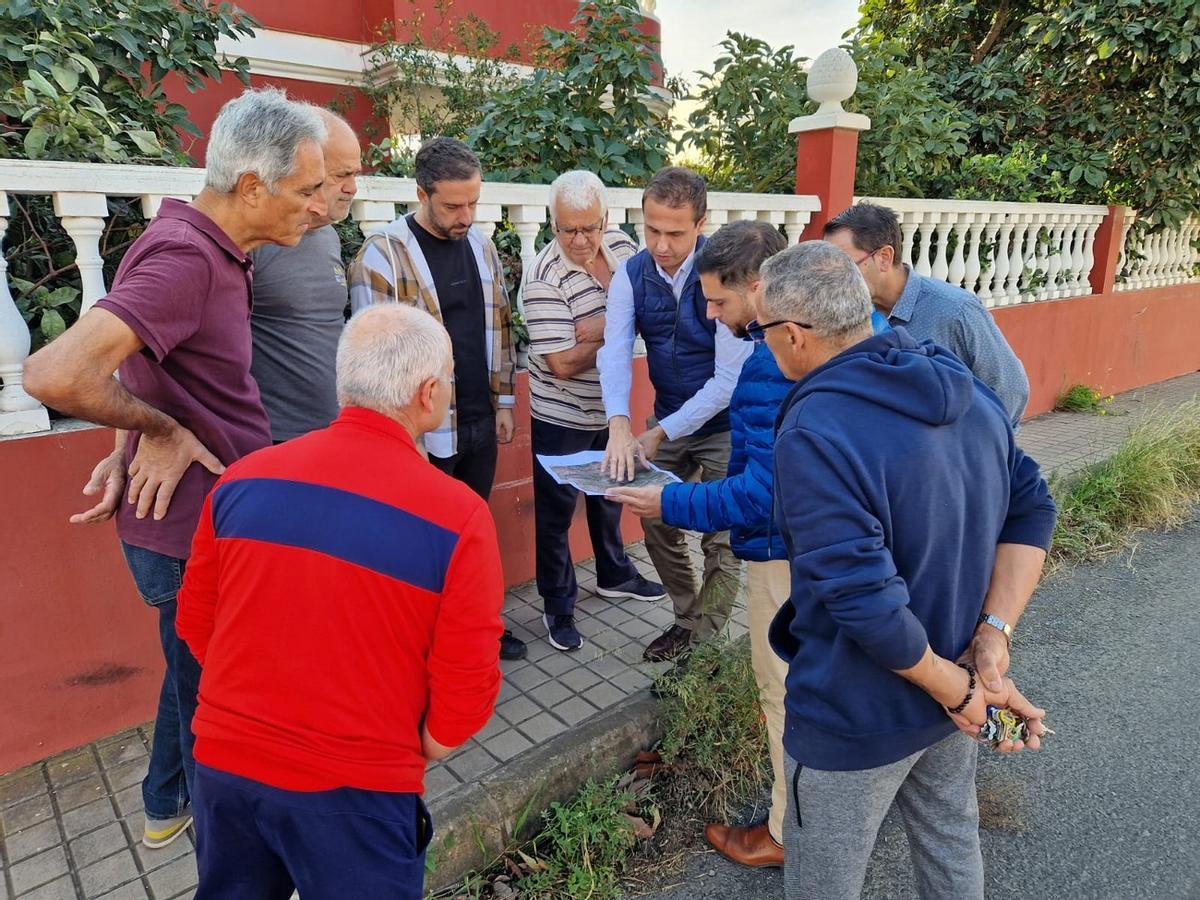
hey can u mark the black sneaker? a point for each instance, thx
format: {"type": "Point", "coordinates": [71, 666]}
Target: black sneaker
{"type": "Point", "coordinates": [511, 647]}
{"type": "Point", "coordinates": [562, 632]}
{"type": "Point", "coordinates": [636, 588]}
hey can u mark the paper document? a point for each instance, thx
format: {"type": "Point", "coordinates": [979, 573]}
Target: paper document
{"type": "Point", "coordinates": [582, 471]}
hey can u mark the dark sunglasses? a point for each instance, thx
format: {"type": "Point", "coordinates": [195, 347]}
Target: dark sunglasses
{"type": "Point", "coordinates": [758, 333]}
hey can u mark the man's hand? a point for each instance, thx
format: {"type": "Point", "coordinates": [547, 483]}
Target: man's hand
{"type": "Point", "coordinates": [988, 653]}
{"type": "Point", "coordinates": [650, 439]}
{"type": "Point", "coordinates": [623, 451]}
{"type": "Point", "coordinates": [645, 501]}
{"type": "Point", "coordinates": [590, 330]}
{"type": "Point", "coordinates": [1008, 696]}
{"type": "Point", "coordinates": [108, 480]}
{"type": "Point", "coordinates": [505, 426]}
{"type": "Point", "coordinates": [158, 466]}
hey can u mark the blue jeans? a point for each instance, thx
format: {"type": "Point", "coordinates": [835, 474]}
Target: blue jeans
{"type": "Point", "coordinates": [166, 789]}
{"type": "Point", "coordinates": [262, 842]}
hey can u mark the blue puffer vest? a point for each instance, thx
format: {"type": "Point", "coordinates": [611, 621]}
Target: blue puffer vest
{"type": "Point", "coordinates": [680, 339]}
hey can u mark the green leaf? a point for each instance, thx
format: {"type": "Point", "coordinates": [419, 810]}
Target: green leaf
{"type": "Point", "coordinates": [147, 141]}
{"type": "Point", "coordinates": [1105, 50]}
{"type": "Point", "coordinates": [52, 324]}
{"type": "Point", "coordinates": [38, 81]}
{"type": "Point", "coordinates": [61, 296]}
{"type": "Point", "coordinates": [35, 141]}
{"type": "Point", "coordinates": [67, 78]}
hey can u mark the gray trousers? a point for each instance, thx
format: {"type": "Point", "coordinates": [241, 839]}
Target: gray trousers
{"type": "Point", "coordinates": [834, 817]}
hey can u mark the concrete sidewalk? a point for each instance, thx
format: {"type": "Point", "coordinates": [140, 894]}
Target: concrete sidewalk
{"type": "Point", "coordinates": [69, 826]}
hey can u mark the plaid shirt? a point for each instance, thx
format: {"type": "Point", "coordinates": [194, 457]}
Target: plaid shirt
{"type": "Point", "coordinates": [390, 267]}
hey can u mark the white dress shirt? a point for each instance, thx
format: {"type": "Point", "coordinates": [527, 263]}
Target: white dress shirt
{"type": "Point", "coordinates": [615, 359]}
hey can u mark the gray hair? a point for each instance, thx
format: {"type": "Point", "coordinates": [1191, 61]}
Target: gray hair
{"type": "Point", "coordinates": [577, 190]}
{"type": "Point", "coordinates": [386, 353]}
{"type": "Point", "coordinates": [816, 283]}
{"type": "Point", "coordinates": [261, 131]}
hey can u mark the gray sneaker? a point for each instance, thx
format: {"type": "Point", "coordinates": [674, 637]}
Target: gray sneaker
{"type": "Point", "coordinates": [158, 833]}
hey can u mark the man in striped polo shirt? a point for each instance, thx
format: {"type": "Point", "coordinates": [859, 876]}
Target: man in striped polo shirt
{"type": "Point", "coordinates": [565, 297]}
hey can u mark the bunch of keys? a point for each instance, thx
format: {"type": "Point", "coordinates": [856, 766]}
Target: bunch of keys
{"type": "Point", "coordinates": [1004, 725]}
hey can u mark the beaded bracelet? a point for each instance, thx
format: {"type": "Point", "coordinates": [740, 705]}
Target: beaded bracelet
{"type": "Point", "coordinates": [970, 688]}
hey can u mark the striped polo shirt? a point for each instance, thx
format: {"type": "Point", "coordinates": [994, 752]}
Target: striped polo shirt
{"type": "Point", "coordinates": [557, 294]}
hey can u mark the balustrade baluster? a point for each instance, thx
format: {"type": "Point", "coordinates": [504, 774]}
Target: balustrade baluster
{"type": "Point", "coordinates": [1003, 261]}
{"type": "Point", "coordinates": [941, 267]}
{"type": "Point", "coordinates": [928, 221]}
{"type": "Point", "coordinates": [908, 231]}
{"type": "Point", "coordinates": [82, 217]}
{"type": "Point", "coordinates": [19, 412]}
{"type": "Point", "coordinates": [971, 266]}
{"type": "Point", "coordinates": [988, 251]}
{"type": "Point", "coordinates": [1016, 262]}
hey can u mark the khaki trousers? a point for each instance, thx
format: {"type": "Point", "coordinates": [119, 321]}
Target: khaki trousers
{"type": "Point", "coordinates": [767, 586]}
{"type": "Point", "coordinates": [701, 608]}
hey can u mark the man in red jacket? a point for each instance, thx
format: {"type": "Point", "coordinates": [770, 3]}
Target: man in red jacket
{"type": "Point", "coordinates": [343, 598]}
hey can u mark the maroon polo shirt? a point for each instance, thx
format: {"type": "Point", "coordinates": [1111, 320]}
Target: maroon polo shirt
{"type": "Point", "coordinates": [184, 290]}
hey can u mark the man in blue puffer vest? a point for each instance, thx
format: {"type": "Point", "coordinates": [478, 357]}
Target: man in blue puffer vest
{"type": "Point", "coordinates": [742, 502]}
{"type": "Point", "coordinates": [694, 363]}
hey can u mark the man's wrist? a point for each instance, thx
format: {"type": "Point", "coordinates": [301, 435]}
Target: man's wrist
{"type": "Point", "coordinates": [991, 623]}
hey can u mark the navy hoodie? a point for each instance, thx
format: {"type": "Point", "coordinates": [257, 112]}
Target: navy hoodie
{"type": "Point", "coordinates": [896, 476]}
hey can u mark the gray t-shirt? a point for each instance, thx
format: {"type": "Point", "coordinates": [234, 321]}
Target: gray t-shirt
{"type": "Point", "coordinates": [300, 298]}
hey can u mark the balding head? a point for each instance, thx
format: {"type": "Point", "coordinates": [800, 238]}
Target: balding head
{"type": "Point", "coordinates": [343, 165]}
{"type": "Point", "coordinates": [386, 359]}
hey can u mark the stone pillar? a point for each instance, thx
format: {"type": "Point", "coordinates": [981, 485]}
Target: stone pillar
{"type": "Point", "coordinates": [1107, 250]}
{"type": "Point", "coordinates": [827, 141]}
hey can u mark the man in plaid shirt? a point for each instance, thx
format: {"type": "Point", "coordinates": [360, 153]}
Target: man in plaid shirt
{"type": "Point", "coordinates": [436, 260]}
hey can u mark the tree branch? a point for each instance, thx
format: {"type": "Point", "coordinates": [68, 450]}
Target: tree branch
{"type": "Point", "coordinates": [993, 34]}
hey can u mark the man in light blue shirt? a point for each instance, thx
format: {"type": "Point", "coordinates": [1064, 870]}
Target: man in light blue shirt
{"type": "Point", "coordinates": [929, 309]}
{"type": "Point", "coordinates": [694, 363]}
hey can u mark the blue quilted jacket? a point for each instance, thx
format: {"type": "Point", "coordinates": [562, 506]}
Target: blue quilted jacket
{"type": "Point", "coordinates": [743, 501]}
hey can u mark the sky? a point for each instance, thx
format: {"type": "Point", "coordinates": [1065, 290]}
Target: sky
{"type": "Point", "coordinates": [691, 29]}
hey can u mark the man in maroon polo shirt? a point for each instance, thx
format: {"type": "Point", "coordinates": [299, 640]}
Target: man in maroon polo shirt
{"type": "Point", "coordinates": [176, 326]}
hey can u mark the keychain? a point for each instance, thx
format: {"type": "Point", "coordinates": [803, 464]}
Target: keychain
{"type": "Point", "coordinates": [1004, 725]}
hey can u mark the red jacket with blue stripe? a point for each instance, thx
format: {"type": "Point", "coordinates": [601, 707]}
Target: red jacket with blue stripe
{"type": "Point", "coordinates": [340, 592]}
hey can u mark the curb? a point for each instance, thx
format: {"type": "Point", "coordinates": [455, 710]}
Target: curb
{"type": "Point", "coordinates": [476, 822]}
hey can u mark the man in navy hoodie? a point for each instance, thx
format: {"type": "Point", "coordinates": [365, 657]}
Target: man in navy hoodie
{"type": "Point", "coordinates": [912, 522]}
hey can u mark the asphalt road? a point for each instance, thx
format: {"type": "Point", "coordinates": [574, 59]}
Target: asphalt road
{"type": "Point", "coordinates": [1110, 808]}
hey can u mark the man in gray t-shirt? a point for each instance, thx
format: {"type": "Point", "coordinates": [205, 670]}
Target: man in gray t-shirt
{"type": "Point", "coordinates": [300, 299]}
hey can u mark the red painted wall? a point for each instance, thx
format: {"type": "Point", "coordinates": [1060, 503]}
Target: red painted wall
{"type": "Point", "coordinates": [79, 654]}
{"type": "Point", "coordinates": [1113, 342]}
{"type": "Point", "coordinates": [204, 105]}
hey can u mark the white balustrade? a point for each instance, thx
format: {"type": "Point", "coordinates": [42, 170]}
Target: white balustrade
{"type": "Point", "coordinates": [1158, 258]}
{"type": "Point", "coordinates": [1003, 252]}
{"type": "Point", "coordinates": [80, 194]}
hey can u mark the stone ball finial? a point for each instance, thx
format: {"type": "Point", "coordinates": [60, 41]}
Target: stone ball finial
{"type": "Point", "coordinates": [832, 78]}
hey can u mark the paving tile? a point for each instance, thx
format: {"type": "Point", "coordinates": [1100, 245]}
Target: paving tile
{"type": "Point", "coordinates": [551, 693]}
{"type": "Point", "coordinates": [507, 692]}
{"type": "Point", "coordinates": [128, 774]}
{"type": "Point", "coordinates": [96, 845]}
{"type": "Point", "coordinates": [59, 889]}
{"type": "Point", "coordinates": [526, 678]}
{"type": "Point", "coordinates": [90, 816]}
{"type": "Point", "coordinates": [38, 870]}
{"type": "Point", "coordinates": [607, 665]}
{"type": "Point", "coordinates": [468, 765]}
{"type": "Point", "coordinates": [80, 792]}
{"type": "Point", "coordinates": [171, 880]}
{"type": "Point", "coordinates": [508, 744]}
{"type": "Point", "coordinates": [579, 679]}
{"type": "Point", "coordinates": [26, 813]}
{"type": "Point", "coordinates": [71, 767]}
{"type": "Point", "coordinates": [632, 680]}
{"type": "Point", "coordinates": [517, 710]}
{"type": "Point", "coordinates": [557, 664]}
{"type": "Point", "coordinates": [150, 859]}
{"type": "Point", "coordinates": [609, 639]}
{"type": "Point", "coordinates": [132, 890]}
{"type": "Point", "coordinates": [541, 727]}
{"type": "Point", "coordinates": [613, 615]}
{"type": "Point", "coordinates": [24, 784]}
{"type": "Point", "coordinates": [604, 695]}
{"type": "Point", "coordinates": [110, 872]}
{"type": "Point", "coordinates": [32, 840]}
{"type": "Point", "coordinates": [540, 649]}
{"type": "Point", "coordinates": [639, 629]}
{"type": "Point", "coordinates": [439, 780]}
{"type": "Point", "coordinates": [494, 726]}
{"type": "Point", "coordinates": [574, 711]}
{"type": "Point", "coordinates": [113, 754]}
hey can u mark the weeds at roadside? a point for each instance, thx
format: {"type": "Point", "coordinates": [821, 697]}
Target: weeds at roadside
{"type": "Point", "coordinates": [1082, 398]}
{"type": "Point", "coordinates": [1151, 481]}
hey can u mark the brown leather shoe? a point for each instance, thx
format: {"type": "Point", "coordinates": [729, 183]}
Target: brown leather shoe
{"type": "Point", "coordinates": [752, 846]}
{"type": "Point", "coordinates": [673, 642]}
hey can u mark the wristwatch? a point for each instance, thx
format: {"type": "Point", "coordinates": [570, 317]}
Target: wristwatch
{"type": "Point", "coordinates": [998, 623]}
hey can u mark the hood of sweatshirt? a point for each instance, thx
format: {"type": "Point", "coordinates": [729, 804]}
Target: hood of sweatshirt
{"type": "Point", "coordinates": [920, 380]}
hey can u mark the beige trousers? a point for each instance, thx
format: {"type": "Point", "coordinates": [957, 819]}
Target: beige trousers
{"type": "Point", "coordinates": [767, 587]}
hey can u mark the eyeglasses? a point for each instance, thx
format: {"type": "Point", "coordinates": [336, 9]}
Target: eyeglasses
{"type": "Point", "coordinates": [758, 333]}
{"type": "Point", "coordinates": [586, 231]}
{"type": "Point", "coordinates": [859, 262]}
